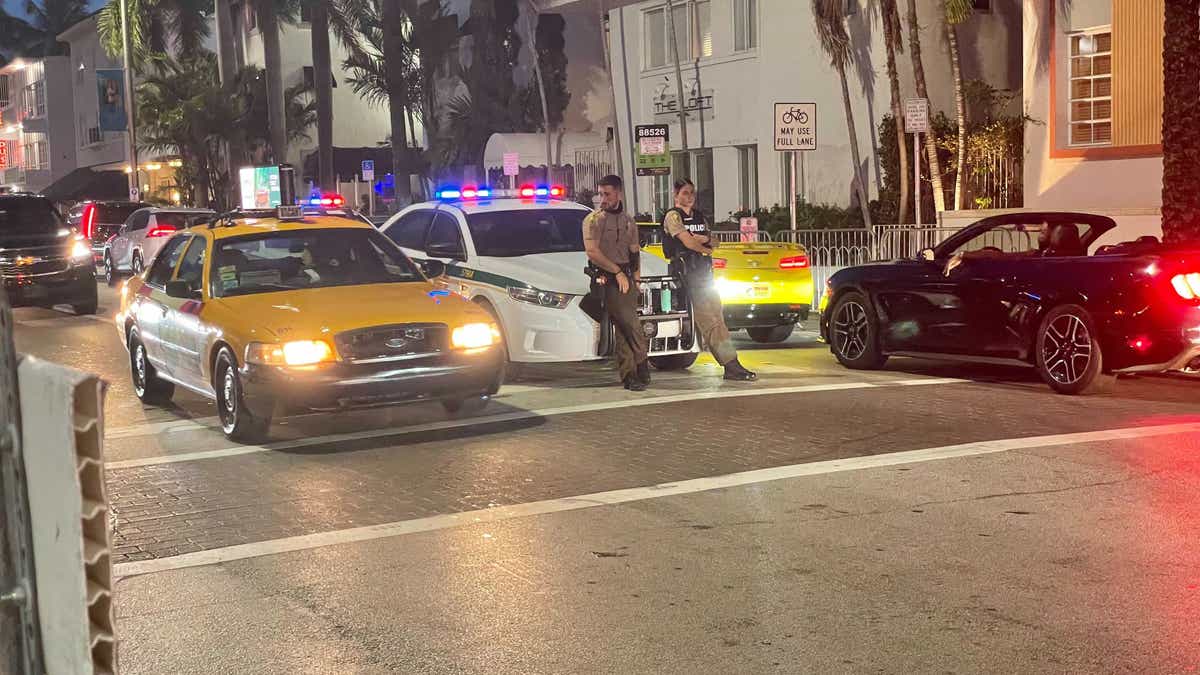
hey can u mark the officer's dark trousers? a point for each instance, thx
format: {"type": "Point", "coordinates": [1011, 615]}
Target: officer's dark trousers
{"type": "Point", "coordinates": [629, 344]}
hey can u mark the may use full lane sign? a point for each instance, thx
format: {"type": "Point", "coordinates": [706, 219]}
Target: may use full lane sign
{"type": "Point", "coordinates": [795, 126]}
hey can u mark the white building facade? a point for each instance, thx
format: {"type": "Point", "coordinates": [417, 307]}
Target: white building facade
{"type": "Point", "coordinates": [356, 123]}
{"type": "Point", "coordinates": [740, 57]}
{"type": "Point", "coordinates": [36, 137]}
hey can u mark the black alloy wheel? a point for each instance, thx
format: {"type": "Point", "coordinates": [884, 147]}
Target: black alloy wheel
{"type": "Point", "coordinates": [853, 333]}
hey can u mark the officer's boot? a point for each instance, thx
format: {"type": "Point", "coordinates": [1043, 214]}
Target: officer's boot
{"type": "Point", "coordinates": [634, 383]}
{"type": "Point", "coordinates": [643, 372]}
{"type": "Point", "coordinates": [735, 371]}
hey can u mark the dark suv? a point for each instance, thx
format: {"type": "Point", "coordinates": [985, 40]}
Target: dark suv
{"type": "Point", "coordinates": [42, 261]}
{"type": "Point", "coordinates": [98, 221]}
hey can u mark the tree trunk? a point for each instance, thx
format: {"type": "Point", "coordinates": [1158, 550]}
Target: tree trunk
{"type": "Point", "coordinates": [1181, 122]}
{"type": "Point", "coordinates": [537, 73]}
{"type": "Point", "coordinates": [268, 23]}
{"type": "Point", "coordinates": [914, 50]}
{"type": "Point", "coordinates": [960, 110]}
{"type": "Point", "coordinates": [394, 60]}
{"type": "Point", "coordinates": [323, 90]}
{"type": "Point", "coordinates": [226, 56]}
{"type": "Point", "coordinates": [859, 184]}
{"type": "Point", "coordinates": [891, 36]}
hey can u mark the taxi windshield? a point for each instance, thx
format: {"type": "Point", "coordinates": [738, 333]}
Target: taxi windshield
{"type": "Point", "coordinates": [286, 261]}
{"type": "Point", "coordinates": [505, 234]}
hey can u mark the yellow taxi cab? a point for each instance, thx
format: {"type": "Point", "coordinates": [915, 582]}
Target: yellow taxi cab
{"type": "Point", "coordinates": [313, 311]}
{"type": "Point", "coordinates": [765, 287]}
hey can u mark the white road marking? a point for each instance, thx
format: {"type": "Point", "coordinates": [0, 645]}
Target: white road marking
{"type": "Point", "coordinates": [613, 497]}
{"type": "Point", "coordinates": [63, 320]}
{"type": "Point", "coordinates": [518, 415]}
{"type": "Point", "coordinates": [155, 428]}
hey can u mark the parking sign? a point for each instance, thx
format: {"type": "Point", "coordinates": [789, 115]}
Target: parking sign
{"type": "Point", "coordinates": [368, 169]}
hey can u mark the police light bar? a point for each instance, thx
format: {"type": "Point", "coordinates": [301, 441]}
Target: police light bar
{"type": "Point", "coordinates": [472, 192]}
{"type": "Point", "coordinates": [327, 200]}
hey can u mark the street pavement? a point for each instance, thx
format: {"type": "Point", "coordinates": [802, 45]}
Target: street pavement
{"type": "Point", "coordinates": [923, 518]}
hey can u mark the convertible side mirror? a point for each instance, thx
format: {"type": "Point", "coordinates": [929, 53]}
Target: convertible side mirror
{"type": "Point", "coordinates": [927, 255]}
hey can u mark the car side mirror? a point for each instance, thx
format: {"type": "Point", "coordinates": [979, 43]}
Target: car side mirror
{"type": "Point", "coordinates": [433, 268]}
{"type": "Point", "coordinates": [180, 288]}
{"type": "Point", "coordinates": [451, 251]}
{"type": "Point", "coordinates": [927, 255]}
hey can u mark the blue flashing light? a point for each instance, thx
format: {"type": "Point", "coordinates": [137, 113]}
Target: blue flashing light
{"type": "Point", "coordinates": [315, 201]}
{"type": "Point", "coordinates": [483, 193]}
{"type": "Point", "coordinates": [463, 193]}
{"type": "Point", "coordinates": [542, 192]}
{"type": "Point", "coordinates": [449, 194]}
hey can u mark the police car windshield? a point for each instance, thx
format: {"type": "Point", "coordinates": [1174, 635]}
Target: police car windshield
{"type": "Point", "coordinates": [286, 261]}
{"type": "Point", "coordinates": [505, 234]}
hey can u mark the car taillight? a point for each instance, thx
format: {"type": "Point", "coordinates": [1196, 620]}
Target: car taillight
{"type": "Point", "coordinates": [1187, 285]}
{"type": "Point", "coordinates": [161, 231]}
{"type": "Point", "coordinates": [794, 262]}
{"type": "Point", "coordinates": [89, 221]}
{"type": "Point", "coordinates": [718, 263]}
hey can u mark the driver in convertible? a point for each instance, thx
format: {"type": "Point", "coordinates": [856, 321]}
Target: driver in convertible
{"type": "Point", "coordinates": [1053, 241]}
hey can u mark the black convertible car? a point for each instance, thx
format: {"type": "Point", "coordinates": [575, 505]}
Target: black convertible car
{"type": "Point", "coordinates": [1021, 289]}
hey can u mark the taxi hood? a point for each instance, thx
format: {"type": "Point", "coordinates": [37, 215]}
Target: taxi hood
{"type": "Point", "coordinates": [558, 272]}
{"type": "Point", "coordinates": [315, 312]}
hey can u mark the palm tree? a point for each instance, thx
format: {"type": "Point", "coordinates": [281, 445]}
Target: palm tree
{"type": "Point", "coordinates": [914, 49]}
{"type": "Point", "coordinates": [830, 18]}
{"type": "Point", "coordinates": [155, 27]}
{"type": "Point", "coordinates": [38, 36]}
{"type": "Point", "coordinates": [340, 17]}
{"type": "Point", "coordinates": [955, 12]}
{"type": "Point", "coordinates": [268, 24]}
{"type": "Point", "coordinates": [1181, 122]}
{"type": "Point", "coordinates": [396, 67]}
{"type": "Point", "coordinates": [893, 41]}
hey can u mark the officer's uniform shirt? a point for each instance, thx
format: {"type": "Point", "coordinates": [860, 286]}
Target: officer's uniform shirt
{"type": "Point", "coordinates": [615, 234]}
{"type": "Point", "coordinates": [676, 221]}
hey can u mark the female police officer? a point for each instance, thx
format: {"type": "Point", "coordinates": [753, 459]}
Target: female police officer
{"type": "Point", "coordinates": [689, 246]}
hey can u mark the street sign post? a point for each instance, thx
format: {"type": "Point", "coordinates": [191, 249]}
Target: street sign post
{"type": "Point", "coordinates": [512, 167]}
{"type": "Point", "coordinates": [795, 131]}
{"type": "Point", "coordinates": [653, 149]}
{"type": "Point", "coordinates": [916, 120]}
{"type": "Point", "coordinates": [368, 169]}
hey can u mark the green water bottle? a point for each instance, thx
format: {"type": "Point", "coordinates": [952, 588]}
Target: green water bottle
{"type": "Point", "coordinates": [666, 300]}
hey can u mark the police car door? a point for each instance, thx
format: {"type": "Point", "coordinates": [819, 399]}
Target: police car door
{"type": "Point", "coordinates": [408, 230]}
{"type": "Point", "coordinates": [445, 243]}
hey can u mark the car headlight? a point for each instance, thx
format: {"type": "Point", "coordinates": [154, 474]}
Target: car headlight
{"type": "Point", "coordinates": [295, 353]}
{"type": "Point", "coordinates": [542, 298]}
{"type": "Point", "coordinates": [81, 251]}
{"type": "Point", "coordinates": [474, 336]}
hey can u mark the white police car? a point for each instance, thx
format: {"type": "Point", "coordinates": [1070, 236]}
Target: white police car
{"type": "Point", "coordinates": [520, 255]}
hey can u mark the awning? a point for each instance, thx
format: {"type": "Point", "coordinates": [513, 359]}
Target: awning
{"type": "Point", "coordinates": [87, 183]}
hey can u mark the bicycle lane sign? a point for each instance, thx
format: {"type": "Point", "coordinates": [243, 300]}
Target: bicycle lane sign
{"type": "Point", "coordinates": [795, 126]}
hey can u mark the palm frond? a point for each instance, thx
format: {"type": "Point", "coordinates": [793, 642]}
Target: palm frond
{"type": "Point", "coordinates": [830, 19]}
{"type": "Point", "coordinates": [958, 11]}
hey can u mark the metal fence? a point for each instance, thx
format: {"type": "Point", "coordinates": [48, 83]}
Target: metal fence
{"type": "Point", "coordinates": [831, 250]}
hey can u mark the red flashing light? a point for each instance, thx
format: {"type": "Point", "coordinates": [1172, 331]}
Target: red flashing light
{"type": "Point", "coordinates": [718, 263]}
{"type": "Point", "coordinates": [1141, 343]}
{"type": "Point", "coordinates": [470, 193]}
{"type": "Point", "coordinates": [795, 262]}
{"type": "Point", "coordinates": [89, 221]}
{"type": "Point", "coordinates": [338, 201]}
{"type": "Point", "coordinates": [556, 191]}
{"type": "Point", "coordinates": [161, 231]}
{"type": "Point", "coordinates": [528, 191]}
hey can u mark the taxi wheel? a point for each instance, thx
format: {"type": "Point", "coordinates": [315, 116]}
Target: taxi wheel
{"type": "Point", "coordinates": [465, 406]}
{"type": "Point", "coordinates": [110, 270]}
{"type": "Point", "coordinates": [674, 361]}
{"type": "Point", "coordinates": [146, 383]}
{"type": "Point", "coordinates": [771, 334]}
{"type": "Point", "coordinates": [237, 421]}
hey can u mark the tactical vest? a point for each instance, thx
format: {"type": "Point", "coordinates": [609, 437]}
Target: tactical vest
{"type": "Point", "coordinates": [695, 223]}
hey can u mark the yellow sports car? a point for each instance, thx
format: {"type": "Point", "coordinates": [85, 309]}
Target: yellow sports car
{"type": "Point", "coordinates": [318, 312]}
{"type": "Point", "coordinates": [766, 287]}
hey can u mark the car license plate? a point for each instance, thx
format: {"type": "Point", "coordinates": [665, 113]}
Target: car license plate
{"type": "Point", "coordinates": [760, 291]}
{"type": "Point", "coordinates": [668, 329]}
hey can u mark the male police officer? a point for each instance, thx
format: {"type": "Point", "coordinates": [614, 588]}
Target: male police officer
{"type": "Point", "coordinates": [689, 246]}
{"type": "Point", "coordinates": [611, 240]}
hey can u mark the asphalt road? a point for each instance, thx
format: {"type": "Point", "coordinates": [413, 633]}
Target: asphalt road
{"type": "Point", "coordinates": [923, 518]}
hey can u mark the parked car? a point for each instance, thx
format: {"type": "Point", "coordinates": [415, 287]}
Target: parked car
{"type": "Point", "coordinates": [42, 261]}
{"type": "Point", "coordinates": [520, 256]}
{"type": "Point", "coordinates": [98, 221]}
{"type": "Point", "coordinates": [318, 312]}
{"type": "Point", "coordinates": [143, 234]}
{"type": "Point", "coordinates": [997, 292]}
{"type": "Point", "coordinates": [766, 287]}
